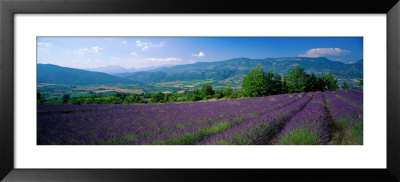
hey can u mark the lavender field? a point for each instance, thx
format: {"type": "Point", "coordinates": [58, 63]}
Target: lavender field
{"type": "Point", "coordinates": [314, 118]}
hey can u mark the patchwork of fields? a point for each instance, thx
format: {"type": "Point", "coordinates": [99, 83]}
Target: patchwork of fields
{"type": "Point", "coordinates": [330, 117]}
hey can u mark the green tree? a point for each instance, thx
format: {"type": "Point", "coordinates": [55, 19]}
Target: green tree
{"type": "Point", "coordinates": [158, 97]}
{"type": "Point", "coordinates": [227, 92]}
{"type": "Point", "coordinates": [296, 80]}
{"type": "Point", "coordinates": [237, 94]}
{"type": "Point", "coordinates": [40, 98]}
{"type": "Point", "coordinates": [78, 101]}
{"type": "Point", "coordinates": [188, 95]}
{"type": "Point", "coordinates": [331, 82]}
{"type": "Point", "coordinates": [254, 83]}
{"type": "Point", "coordinates": [258, 83]}
{"type": "Point", "coordinates": [65, 98]}
{"type": "Point", "coordinates": [195, 97]}
{"type": "Point", "coordinates": [345, 86]}
{"type": "Point", "coordinates": [273, 83]}
{"type": "Point", "coordinates": [115, 100]}
{"type": "Point", "coordinates": [171, 98]}
{"type": "Point", "coordinates": [89, 100]}
{"type": "Point", "coordinates": [361, 84]}
{"type": "Point", "coordinates": [321, 84]}
{"type": "Point", "coordinates": [311, 83]}
{"type": "Point", "coordinates": [284, 86]}
{"type": "Point", "coordinates": [128, 100]}
{"type": "Point", "coordinates": [206, 90]}
{"type": "Point", "coordinates": [219, 94]}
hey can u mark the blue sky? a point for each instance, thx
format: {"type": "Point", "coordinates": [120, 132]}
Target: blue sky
{"type": "Point", "coordinates": [141, 52]}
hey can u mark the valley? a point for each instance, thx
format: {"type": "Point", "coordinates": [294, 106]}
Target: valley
{"type": "Point", "coordinates": [54, 81]}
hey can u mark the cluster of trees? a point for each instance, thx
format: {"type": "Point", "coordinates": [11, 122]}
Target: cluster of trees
{"type": "Point", "coordinates": [259, 83]}
{"type": "Point", "coordinates": [118, 98]}
{"type": "Point", "coordinates": [40, 98]}
{"type": "Point", "coordinates": [256, 83]}
{"type": "Point", "coordinates": [206, 92]}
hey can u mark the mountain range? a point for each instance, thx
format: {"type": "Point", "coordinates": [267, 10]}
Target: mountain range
{"type": "Point", "coordinates": [49, 73]}
{"type": "Point", "coordinates": [115, 69]}
{"type": "Point", "coordinates": [224, 72]}
{"type": "Point", "coordinates": [236, 69]}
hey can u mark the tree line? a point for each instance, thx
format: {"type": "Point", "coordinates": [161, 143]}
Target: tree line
{"type": "Point", "coordinates": [256, 83]}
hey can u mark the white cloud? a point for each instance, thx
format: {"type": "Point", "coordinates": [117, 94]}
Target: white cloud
{"type": "Point", "coordinates": [144, 62]}
{"type": "Point", "coordinates": [44, 44]}
{"type": "Point", "coordinates": [143, 45]}
{"type": "Point", "coordinates": [135, 54]}
{"type": "Point", "coordinates": [200, 54]}
{"type": "Point", "coordinates": [95, 49]}
{"type": "Point", "coordinates": [146, 45]}
{"type": "Point", "coordinates": [129, 62]}
{"type": "Point", "coordinates": [161, 44]}
{"type": "Point", "coordinates": [124, 42]}
{"type": "Point", "coordinates": [83, 51]}
{"type": "Point", "coordinates": [170, 60]}
{"type": "Point", "coordinates": [321, 52]}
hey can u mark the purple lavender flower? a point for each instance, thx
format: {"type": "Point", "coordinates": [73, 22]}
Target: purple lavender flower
{"type": "Point", "coordinates": [241, 121]}
{"type": "Point", "coordinates": [310, 126]}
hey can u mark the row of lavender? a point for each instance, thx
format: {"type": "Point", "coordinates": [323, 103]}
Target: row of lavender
{"type": "Point", "coordinates": [132, 123]}
{"type": "Point", "coordinates": [309, 126]}
{"type": "Point", "coordinates": [335, 119]}
{"type": "Point", "coordinates": [303, 118]}
{"type": "Point", "coordinates": [345, 108]}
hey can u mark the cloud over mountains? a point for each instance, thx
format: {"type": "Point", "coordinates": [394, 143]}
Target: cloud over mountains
{"type": "Point", "coordinates": [322, 52]}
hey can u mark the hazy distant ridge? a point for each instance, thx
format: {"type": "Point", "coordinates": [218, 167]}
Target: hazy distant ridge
{"type": "Point", "coordinates": [48, 73]}
{"type": "Point", "coordinates": [241, 66]}
{"type": "Point", "coordinates": [233, 69]}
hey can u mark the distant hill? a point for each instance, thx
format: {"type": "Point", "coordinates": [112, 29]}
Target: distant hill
{"type": "Point", "coordinates": [230, 72]}
{"type": "Point", "coordinates": [48, 73]}
{"type": "Point", "coordinates": [233, 71]}
{"type": "Point", "coordinates": [116, 70]}
{"type": "Point", "coordinates": [111, 69]}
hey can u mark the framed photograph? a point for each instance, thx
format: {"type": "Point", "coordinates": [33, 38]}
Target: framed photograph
{"type": "Point", "coordinates": [131, 90]}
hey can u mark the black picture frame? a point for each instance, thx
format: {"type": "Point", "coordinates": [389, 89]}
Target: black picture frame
{"type": "Point", "coordinates": [9, 8]}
